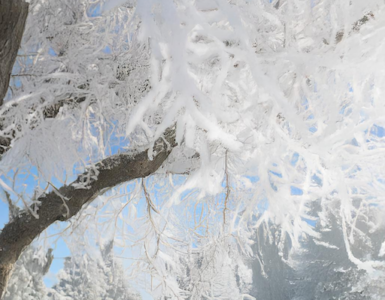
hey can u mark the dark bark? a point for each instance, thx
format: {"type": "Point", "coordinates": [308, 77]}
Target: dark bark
{"type": "Point", "coordinates": [13, 14]}
{"type": "Point", "coordinates": [66, 202]}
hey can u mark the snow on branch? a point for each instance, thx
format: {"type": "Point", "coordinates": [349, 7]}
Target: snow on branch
{"type": "Point", "coordinates": [23, 229]}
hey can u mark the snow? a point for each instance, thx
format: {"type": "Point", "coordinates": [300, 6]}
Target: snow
{"type": "Point", "coordinates": [280, 132]}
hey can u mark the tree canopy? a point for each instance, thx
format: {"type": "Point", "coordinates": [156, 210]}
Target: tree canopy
{"type": "Point", "coordinates": [216, 146]}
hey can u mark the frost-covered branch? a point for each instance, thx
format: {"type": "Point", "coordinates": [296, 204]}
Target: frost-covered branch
{"type": "Point", "coordinates": [106, 174]}
{"type": "Point", "coordinates": [10, 128]}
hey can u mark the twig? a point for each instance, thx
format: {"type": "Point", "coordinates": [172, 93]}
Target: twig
{"type": "Point", "coordinates": [227, 189]}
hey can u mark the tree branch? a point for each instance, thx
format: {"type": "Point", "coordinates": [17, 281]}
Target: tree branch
{"type": "Point", "coordinates": [114, 170]}
{"type": "Point", "coordinates": [47, 112]}
{"type": "Point", "coordinates": [355, 28]}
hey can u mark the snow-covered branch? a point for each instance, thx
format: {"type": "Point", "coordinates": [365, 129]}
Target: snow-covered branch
{"type": "Point", "coordinates": [120, 168]}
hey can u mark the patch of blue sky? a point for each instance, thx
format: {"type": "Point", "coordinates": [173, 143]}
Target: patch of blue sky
{"type": "Point", "coordinates": [221, 197]}
{"type": "Point", "coordinates": [315, 87]}
{"type": "Point", "coordinates": [377, 131]}
{"type": "Point", "coordinates": [120, 221]}
{"type": "Point", "coordinates": [263, 205]}
{"type": "Point", "coordinates": [354, 142]}
{"type": "Point", "coordinates": [373, 201]}
{"type": "Point", "coordinates": [107, 50]}
{"type": "Point", "coordinates": [310, 117]}
{"type": "Point", "coordinates": [52, 52]}
{"type": "Point", "coordinates": [312, 223]}
{"type": "Point", "coordinates": [353, 171]}
{"type": "Point", "coordinates": [305, 103]}
{"type": "Point", "coordinates": [317, 180]}
{"type": "Point", "coordinates": [200, 212]}
{"type": "Point", "coordinates": [179, 179]}
{"type": "Point", "coordinates": [185, 194]}
{"type": "Point", "coordinates": [17, 82]}
{"type": "Point", "coordinates": [4, 213]}
{"type": "Point", "coordinates": [313, 129]}
{"type": "Point", "coordinates": [294, 159]}
{"type": "Point", "coordinates": [272, 185]}
{"type": "Point", "coordinates": [345, 110]}
{"type": "Point", "coordinates": [60, 252]}
{"type": "Point", "coordinates": [95, 11]}
{"type": "Point", "coordinates": [159, 195]}
{"type": "Point", "coordinates": [253, 179]}
{"type": "Point", "coordinates": [364, 116]}
{"type": "Point", "coordinates": [26, 181]}
{"type": "Point", "coordinates": [131, 36]}
{"type": "Point", "coordinates": [117, 29]}
{"type": "Point", "coordinates": [271, 181]}
{"type": "Point", "coordinates": [112, 4]}
{"type": "Point", "coordinates": [117, 144]}
{"type": "Point", "coordinates": [295, 191]}
{"type": "Point", "coordinates": [276, 173]}
{"type": "Point", "coordinates": [16, 67]}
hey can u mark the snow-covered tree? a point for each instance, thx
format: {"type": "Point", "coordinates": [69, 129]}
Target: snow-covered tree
{"type": "Point", "coordinates": [83, 277]}
{"type": "Point", "coordinates": [87, 278]}
{"type": "Point", "coordinates": [321, 268]}
{"type": "Point", "coordinates": [215, 272]}
{"type": "Point", "coordinates": [190, 126]}
{"type": "Point", "coordinates": [26, 281]}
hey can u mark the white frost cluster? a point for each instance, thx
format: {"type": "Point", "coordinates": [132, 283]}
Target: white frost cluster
{"type": "Point", "coordinates": [280, 124]}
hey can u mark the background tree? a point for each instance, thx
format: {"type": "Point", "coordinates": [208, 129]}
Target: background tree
{"type": "Point", "coordinates": [86, 278]}
{"type": "Point", "coordinates": [26, 281]}
{"type": "Point", "coordinates": [320, 269]}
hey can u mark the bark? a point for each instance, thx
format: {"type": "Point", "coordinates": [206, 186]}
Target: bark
{"type": "Point", "coordinates": [13, 14]}
{"type": "Point", "coordinates": [62, 204]}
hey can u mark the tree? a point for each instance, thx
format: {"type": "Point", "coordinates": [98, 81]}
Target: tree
{"type": "Point", "coordinates": [26, 281]}
{"type": "Point", "coordinates": [85, 278]}
{"type": "Point", "coordinates": [320, 269]}
{"type": "Point", "coordinates": [216, 118]}
{"type": "Point", "coordinates": [26, 226]}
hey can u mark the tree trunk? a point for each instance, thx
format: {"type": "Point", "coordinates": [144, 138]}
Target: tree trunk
{"type": "Point", "coordinates": [13, 14]}
{"type": "Point", "coordinates": [64, 203]}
